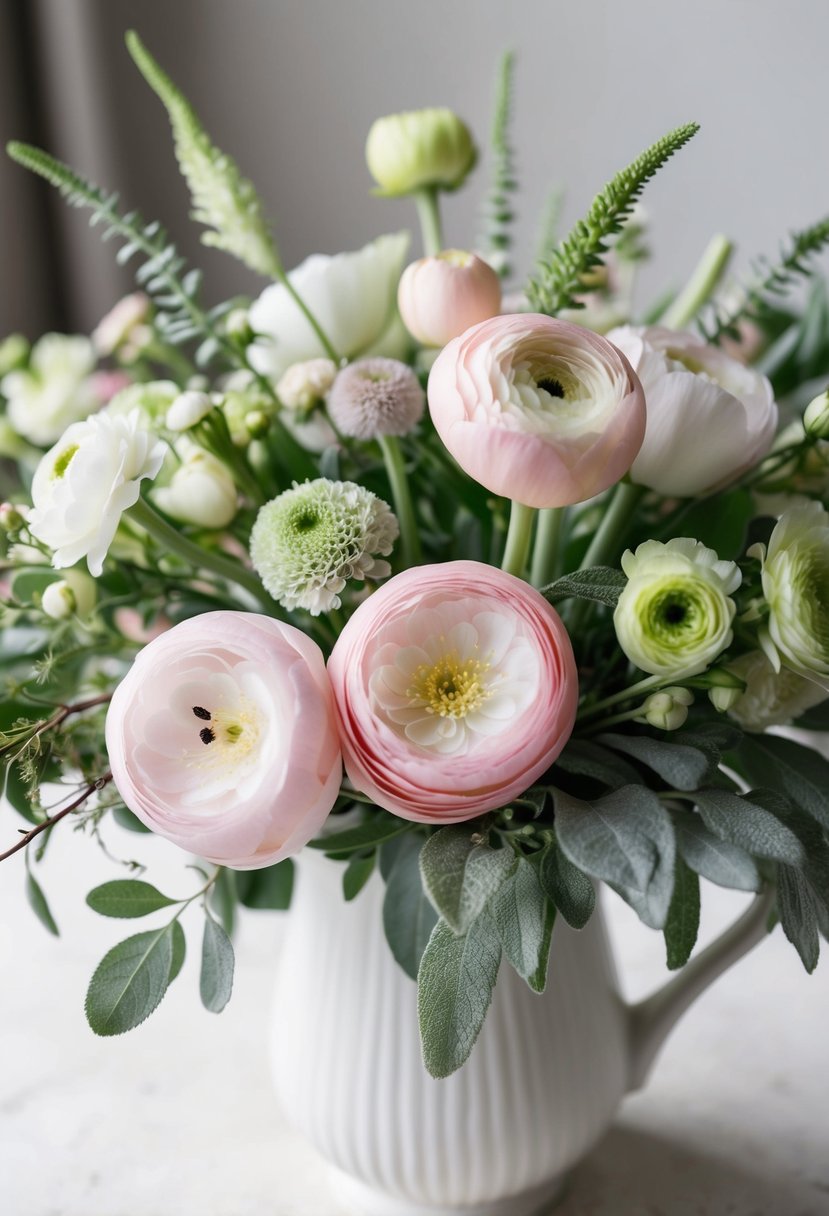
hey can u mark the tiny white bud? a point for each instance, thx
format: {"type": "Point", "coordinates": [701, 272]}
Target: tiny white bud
{"type": "Point", "coordinates": [238, 324]}
{"type": "Point", "coordinates": [257, 423]}
{"type": "Point", "coordinates": [74, 594]}
{"type": "Point", "coordinates": [201, 491]}
{"type": "Point", "coordinates": [816, 416]}
{"type": "Point", "coordinates": [11, 518]}
{"type": "Point", "coordinates": [668, 708]}
{"type": "Point", "coordinates": [188, 409]}
{"type": "Point", "coordinates": [304, 385]}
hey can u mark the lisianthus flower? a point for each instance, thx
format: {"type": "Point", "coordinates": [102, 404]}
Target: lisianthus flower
{"type": "Point", "coordinates": [221, 738]}
{"type": "Point", "coordinates": [709, 417]}
{"type": "Point", "coordinates": [85, 482]}
{"type": "Point", "coordinates": [420, 149]}
{"type": "Point", "coordinates": [538, 410]}
{"type": "Point", "coordinates": [796, 587]}
{"type": "Point", "coordinates": [439, 297]}
{"type": "Point", "coordinates": [55, 390]}
{"type": "Point", "coordinates": [201, 490]}
{"type": "Point", "coordinates": [674, 616]}
{"type": "Point", "coordinates": [309, 541]}
{"type": "Point", "coordinates": [351, 295]}
{"type": "Point", "coordinates": [455, 688]}
{"type": "Point", "coordinates": [771, 698]}
{"type": "Point", "coordinates": [375, 397]}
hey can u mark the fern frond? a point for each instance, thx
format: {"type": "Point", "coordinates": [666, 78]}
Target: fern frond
{"type": "Point", "coordinates": [770, 278]}
{"type": "Point", "coordinates": [559, 279]}
{"type": "Point", "coordinates": [496, 239]}
{"type": "Point", "coordinates": [223, 200]}
{"type": "Point", "coordinates": [548, 228]}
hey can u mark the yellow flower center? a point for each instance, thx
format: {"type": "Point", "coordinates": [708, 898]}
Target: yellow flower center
{"type": "Point", "coordinates": [229, 735]}
{"type": "Point", "coordinates": [452, 687]}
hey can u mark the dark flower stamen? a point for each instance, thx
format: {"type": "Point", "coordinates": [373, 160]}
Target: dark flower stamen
{"type": "Point", "coordinates": [206, 735]}
{"type": "Point", "coordinates": [202, 713]}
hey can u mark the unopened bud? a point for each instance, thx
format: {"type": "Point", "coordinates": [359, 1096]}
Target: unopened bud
{"type": "Point", "coordinates": [816, 416]}
{"type": "Point", "coordinates": [668, 708]}
{"type": "Point", "coordinates": [188, 409]}
{"type": "Point", "coordinates": [11, 519]}
{"type": "Point", "coordinates": [237, 324]}
{"type": "Point", "coordinates": [257, 423]}
{"type": "Point", "coordinates": [75, 594]}
{"type": "Point", "coordinates": [723, 698]}
{"type": "Point", "coordinates": [422, 149]}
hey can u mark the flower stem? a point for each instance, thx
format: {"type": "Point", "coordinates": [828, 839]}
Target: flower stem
{"type": "Point", "coordinates": [285, 280]}
{"type": "Point", "coordinates": [649, 684]}
{"type": "Point", "coordinates": [428, 212]}
{"type": "Point", "coordinates": [548, 538]}
{"type": "Point", "coordinates": [518, 539]}
{"type": "Point", "coordinates": [616, 517]}
{"type": "Point", "coordinates": [201, 559]}
{"type": "Point", "coordinates": [701, 285]}
{"type": "Point", "coordinates": [403, 506]}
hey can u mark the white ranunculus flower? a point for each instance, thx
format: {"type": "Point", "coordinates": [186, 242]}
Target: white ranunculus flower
{"type": "Point", "coordinates": [55, 389]}
{"type": "Point", "coordinates": [709, 417]}
{"type": "Point", "coordinates": [351, 295]}
{"type": "Point", "coordinates": [84, 483]}
{"type": "Point", "coordinates": [201, 490]}
{"type": "Point", "coordinates": [796, 587]}
{"type": "Point", "coordinates": [771, 698]}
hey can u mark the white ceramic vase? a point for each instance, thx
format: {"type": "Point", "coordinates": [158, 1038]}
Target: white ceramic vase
{"type": "Point", "coordinates": [498, 1137]}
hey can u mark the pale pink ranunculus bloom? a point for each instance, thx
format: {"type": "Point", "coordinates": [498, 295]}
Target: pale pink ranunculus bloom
{"type": "Point", "coordinates": [222, 738]}
{"type": "Point", "coordinates": [710, 418]}
{"type": "Point", "coordinates": [456, 688]}
{"type": "Point", "coordinates": [441, 296]}
{"type": "Point", "coordinates": [540, 411]}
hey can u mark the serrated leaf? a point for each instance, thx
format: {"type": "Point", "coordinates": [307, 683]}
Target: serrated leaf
{"type": "Point", "coordinates": [408, 915]}
{"type": "Point", "coordinates": [454, 989]}
{"type": "Point", "coordinates": [798, 772]}
{"type": "Point", "coordinates": [718, 860]}
{"type": "Point", "coordinates": [736, 817]}
{"type": "Point", "coordinates": [269, 888]}
{"type": "Point", "coordinates": [798, 915]}
{"type": "Point", "coordinates": [459, 875]}
{"type": "Point", "coordinates": [682, 767]}
{"type": "Point", "coordinates": [357, 873]}
{"type": "Point", "coordinates": [217, 960]}
{"type": "Point", "coordinates": [375, 830]}
{"type": "Point", "coordinates": [524, 918]}
{"type": "Point", "coordinates": [601, 584]}
{"type": "Point", "coordinates": [129, 982]}
{"type": "Point", "coordinates": [570, 890]}
{"type": "Point", "coordinates": [682, 925]}
{"type": "Point", "coordinates": [127, 897]}
{"type": "Point", "coordinates": [39, 905]}
{"type": "Point", "coordinates": [179, 950]}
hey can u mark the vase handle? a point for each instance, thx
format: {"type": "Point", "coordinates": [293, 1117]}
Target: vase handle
{"type": "Point", "coordinates": [652, 1020]}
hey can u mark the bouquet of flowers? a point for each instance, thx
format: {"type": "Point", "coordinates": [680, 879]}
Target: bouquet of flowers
{"type": "Point", "coordinates": [502, 594]}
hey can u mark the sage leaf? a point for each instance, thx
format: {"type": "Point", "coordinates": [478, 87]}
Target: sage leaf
{"type": "Point", "coordinates": [408, 914]}
{"type": "Point", "coordinates": [454, 990]}
{"type": "Point", "coordinates": [567, 886]}
{"type": "Point", "coordinates": [789, 768]}
{"type": "Point", "coordinates": [586, 758]}
{"type": "Point", "coordinates": [460, 876]}
{"type": "Point", "coordinates": [524, 918]}
{"type": "Point", "coordinates": [216, 978]}
{"type": "Point", "coordinates": [129, 982]}
{"type": "Point", "coordinates": [744, 822]}
{"type": "Point", "coordinates": [798, 915]}
{"type": "Point", "coordinates": [682, 925]}
{"type": "Point", "coordinates": [601, 584]}
{"type": "Point", "coordinates": [718, 860]}
{"type": "Point", "coordinates": [684, 768]}
{"type": "Point", "coordinates": [127, 898]}
{"type": "Point", "coordinates": [39, 905]}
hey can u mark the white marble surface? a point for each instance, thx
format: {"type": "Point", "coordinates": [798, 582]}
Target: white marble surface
{"type": "Point", "coordinates": [178, 1116]}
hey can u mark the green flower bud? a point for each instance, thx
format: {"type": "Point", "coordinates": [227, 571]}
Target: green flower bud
{"type": "Point", "coordinates": [422, 149]}
{"type": "Point", "coordinates": [724, 699]}
{"type": "Point", "coordinates": [11, 519]}
{"type": "Point", "coordinates": [668, 708]}
{"type": "Point", "coordinates": [674, 616]}
{"type": "Point", "coordinates": [816, 416]}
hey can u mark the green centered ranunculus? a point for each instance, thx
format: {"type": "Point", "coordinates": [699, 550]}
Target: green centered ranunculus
{"type": "Point", "coordinates": [674, 616]}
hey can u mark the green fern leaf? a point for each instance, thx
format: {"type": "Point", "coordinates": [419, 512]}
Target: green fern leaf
{"type": "Point", "coordinates": [496, 241]}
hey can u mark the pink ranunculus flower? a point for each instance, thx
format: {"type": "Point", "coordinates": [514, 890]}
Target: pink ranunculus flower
{"type": "Point", "coordinates": [222, 738]}
{"type": "Point", "coordinates": [455, 687]}
{"type": "Point", "coordinates": [710, 418]}
{"type": "Point", "coordinates": [441, 296]}
{"type": "Point", "coordinates": [538, 410]}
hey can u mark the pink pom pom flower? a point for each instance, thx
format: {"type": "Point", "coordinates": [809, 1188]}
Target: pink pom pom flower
{"type": "Point", "coordinates": [439, 297]}
{"type": "Point", "coordinates": [540, 411]}
{"type": "Point", "coordinates": [455, 687]}
{"type": "Point", "coordinates": [222, 738]}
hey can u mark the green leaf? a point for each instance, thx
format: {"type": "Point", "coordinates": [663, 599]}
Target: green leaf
{"type": "Point", "coordinates": [626, 839]}
{"type": "Point", "coordinates": [570, 890]}
{"type": "Point", "coordinates": [357, 873]}
{"type": "Point", "coordinates": [375, 830]}
{"type": "Point", "coordinates": [127, 897]}
{"type": "Point", "coordinates": [601, 584]}
{"type": "Point", "coordinates": [216, 978]}
{"type": "Point", "coordinates": [524, 918]}
{"type": "Point", "coordinates": [125, 819]}
{"type": "Point", "coordinates": [816, 718]}
{"type": "Point", "coordinates": [454, 989]}
{"type": "Point", "coordinates": [682, 767]}
{"type": "Point", "coordinates": [682, 925]}
{"type": "Point", "coordinates": [798, 915]}
{"type": "Point", "coordinates": [586, 758]}
{"type": "Point", "coordinates": [721, 522]}
{"type": "Point", "coordinates": [270, 888]}
{"type": "Point", "coordinates": [460, 875]}
{"type": "Point", "coordinates": [40, 907]}
{"type": "Point", "coordinates": [743, 821]}
{"type": "Point", "coordinates": [28, 585]}
{"type": "Point", "coordinates": [130, 981]}
{"type": "Point", "coordinates": [179, 950]}
{"type": "Point", "coordinates": [223, 898]}
{"type": "Point", "coordinates": [408, 915]}
{"type": "Point", "coordinates": [715, 859]}
{"type": "Point", "coordinates": [799, 773]}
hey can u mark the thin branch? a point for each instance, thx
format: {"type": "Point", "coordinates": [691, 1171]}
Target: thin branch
{"type": "Point", "coordinates": [29, 836]}
{"type": "Point", "coordinates": [59, 717]}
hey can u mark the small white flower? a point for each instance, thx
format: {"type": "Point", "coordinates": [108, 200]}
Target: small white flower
{"type": "Point", "coordinates": [84, 483]}
{"type": "Point", "coordinates": [201, 490]}
{"type": "Point", "coordinates": [304, 385]}
{"type": "Point", "coordinates": [73, 595]}
{"type": "Point", "coordinates": [188, 409]}
{"type": "Point", "coordinates": [54, 391]}
{"type": "Point", "coordinates": [771, 698]}
{"type": "Point", "coordinates": [307, 543]}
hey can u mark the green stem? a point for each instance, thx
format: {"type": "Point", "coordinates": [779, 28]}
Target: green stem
{"type": "Point", "coordinates": [548, 538]}
{"type": "Point", "coordinates": [201, 559]}
{"type": "Point", "coordinates": [701, 285]}
{"type": "Point", "coordinates": [616, 518]}
{"type": "Point", "coordinates": [428, 212]}
{"type": "Point", "coordinates": [649, 684]}
{"type": "Point", "coordinates": [309, 316]}
{"type": "Point", "coordinates": [518, 539]}
{"type": "Point", "coordinates": [614, 720]}
{"type": "Point", "coordinates": [403, 506]}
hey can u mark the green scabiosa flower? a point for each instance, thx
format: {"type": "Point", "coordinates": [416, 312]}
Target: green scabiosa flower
{"type": "Point", "coordinates": [796, 587]}
{"type": "Point", "coordinates": [674, 616]}
{"type": "Point", "coordinates": [309, 541]}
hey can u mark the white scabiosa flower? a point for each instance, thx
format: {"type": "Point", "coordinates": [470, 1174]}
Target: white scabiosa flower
{"type": "Point", "coordinates": [201, 491]}
{"type": "Point", "coordinates": [375, 397]}
{"type": "Point", "coordinates": [771, 698]}
{"type": "Point", "coordinates": [305, 385]}
{"type": "Point", "coordinates": [307, 543]}
{"type": "Point", "coordinates": [674, 616]}
{"type": "Point", "coordinates": [84, 483]}
{"type": "Point", "coordinates": [796, 587]}
{"type": "Point", "coordinates": [55, 390]}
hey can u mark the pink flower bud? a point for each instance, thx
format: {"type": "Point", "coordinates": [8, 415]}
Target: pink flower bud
{"type": "Point", "coordinates": [439, 297]}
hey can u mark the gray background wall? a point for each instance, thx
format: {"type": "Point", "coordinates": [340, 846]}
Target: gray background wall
{"type": "Point", "coordinates": [291, 88]}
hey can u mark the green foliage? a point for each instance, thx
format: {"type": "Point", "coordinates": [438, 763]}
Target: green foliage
{"type": "Point", "coordinates": [559, 280]}
{"type": "Point", "coordinates": [496, 240]}
{"type": "Point", "coordinates": [216, 977]}
{"type": "Point", "coordinates": [378, 828]}
{"type": "Point", "coordinates": [357, 873]}
{"type": "Point", "coordinates": [179, 950]}
{"type": "Point", "coordinates": [744, 820]}
{"type": "Point", "coordinates": [524, 918]}
{"type": "Point", "coordinates": [223, 200]}
{"type": "Point", "coordinates": [39, 905]}
{"type": "Point", "coordinates": [682, 925]}
{"type": "Point", "coordinates": [268, 888]}
{"type": "Point", "coordinates": [718, 860]}
{"type": "Point", "coordinates": [586, 758]}
{"type": "Point", "coordinates": [600, 584]}
{"type": "Point", "coordinates": [798, 915]}
{"type": "Point", "coordinates": [408, 915]}
{"type": "Point", "coordinates": [797, 772]}
{"type": "Point", "coordinates": [566, 886]}
{"type": "Point", "coordinates": [460, 873]}
{"type": "Point", "coordinates": [682, 767]}
{"type": "Point", "coordinates": [130, 981]}
{"type": "Point", "coordinates": [127, 897]}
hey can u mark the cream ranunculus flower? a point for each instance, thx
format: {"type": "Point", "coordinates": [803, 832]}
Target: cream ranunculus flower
{"type": "Point", "coordinates": [351, 295]}
{"type": "Point", "coordinates": [771, 698]}
{"type": "Point", "coordinates": [709, 417]}
{"type": "Point", "coordinates": [54, 391]}
{"type": "Point", "coordinates": [674, 616]}
{"type": "Point", "coordinates": [201, 491]}
{"type": "Point", "coordinates": [84, 483]}
{"type": "Point", "coordinates": [796, 587]}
